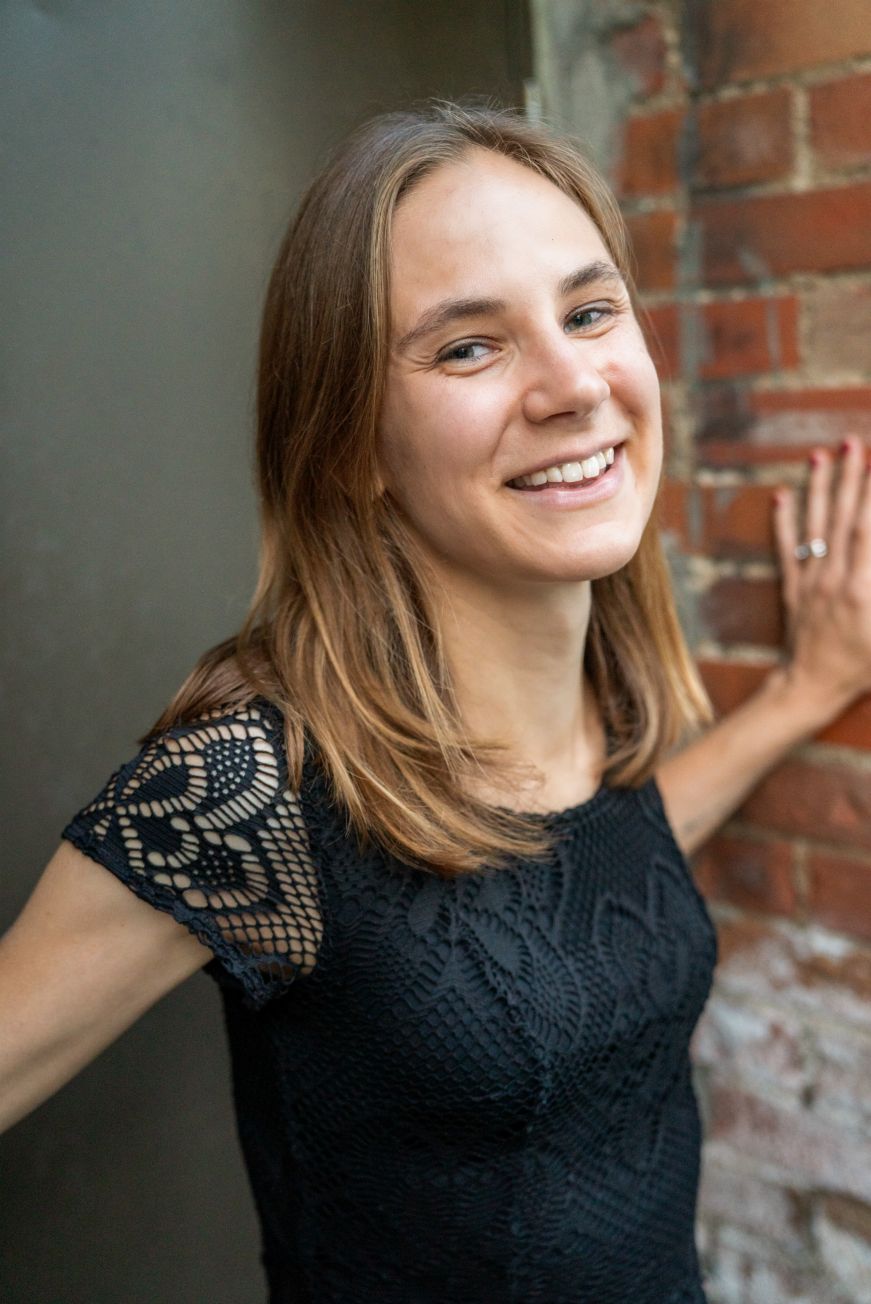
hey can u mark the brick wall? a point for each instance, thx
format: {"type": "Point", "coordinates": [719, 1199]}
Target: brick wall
{"type": "Point", "coordinates": [738, 135]}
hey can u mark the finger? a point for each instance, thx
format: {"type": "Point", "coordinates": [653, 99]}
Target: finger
{"type": "Point", "coordinates": [786, 535]}
{"type": "Point", "coordinates": [861, 556]}
{"type": "Point", "coordinates": [845, 505]}
{"type": "Point", "coordinates": [816, 520]}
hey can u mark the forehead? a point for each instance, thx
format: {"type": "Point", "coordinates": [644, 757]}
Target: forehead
{"type": "Point", "coordinates": [483, 217]}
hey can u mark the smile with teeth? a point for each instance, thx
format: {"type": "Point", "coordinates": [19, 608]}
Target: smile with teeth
{"type": "Point", "coordinates": [569, 472]}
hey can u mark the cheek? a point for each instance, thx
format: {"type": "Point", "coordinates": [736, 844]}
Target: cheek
{"type": "Point", "coordinates": [433, 434]}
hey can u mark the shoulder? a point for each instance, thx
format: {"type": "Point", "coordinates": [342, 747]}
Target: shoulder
{"type": "Point", "coordinates": [227, 761]}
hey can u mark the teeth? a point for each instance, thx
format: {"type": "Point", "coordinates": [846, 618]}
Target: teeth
{"type": "Point", "coordinates": [570, 472]}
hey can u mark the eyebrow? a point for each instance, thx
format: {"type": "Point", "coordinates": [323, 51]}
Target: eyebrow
{"type": "Point", "coordinates": [450, 310]}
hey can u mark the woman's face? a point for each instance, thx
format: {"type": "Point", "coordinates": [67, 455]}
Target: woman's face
{"type": "Point", "coordinates": [514, 349]}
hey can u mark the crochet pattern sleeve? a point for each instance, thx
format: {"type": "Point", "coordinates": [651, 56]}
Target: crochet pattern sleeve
{"type": "Point", "coordinates": [201, 824]}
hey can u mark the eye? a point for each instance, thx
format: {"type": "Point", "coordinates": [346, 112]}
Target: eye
{"type": "Point", "coordinates": [587, 318]}
{"type": "Point", "coordinates": [465, 351]}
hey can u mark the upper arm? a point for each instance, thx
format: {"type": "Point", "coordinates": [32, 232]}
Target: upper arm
{"type": "Point", "coordinates": [208, 858]}
{"type": "Point", "coordinates": [85, 959]}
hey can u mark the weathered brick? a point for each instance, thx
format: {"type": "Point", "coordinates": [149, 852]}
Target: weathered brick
{"type": "Point", "coordinates": [737, 40]}
{"type": "Point", "coordinates": [745, 241]}
{"type": "Point", "coordinates": [746, 1269]}
{"type": "Point", "coordinates": [826, 802]}
{"type": "Point", "coordinates": [762, 1049]}
{"type": "Point", "coordinates": [744, 1200]}
{"type": "Point", "coordinates": [815, 1151]}
{"type": "Point", "coordinates": [640, 51]}
{"type": "Point", "coordinates": [648, 164]}
{"type": "Point", "coordinates": [839, 327]}
{"type": "Point", "coordinates": [843, 1073]}
{"type": "Point", "coordinates": [743, 140]}
{"type": "Point", "coordinates": [739, 426]}
{"type": "Point", "coordinates": [842, 1231]}
{"type": "Point", "coordinates": [736, 610]}
{"type": "Point", "coordinates": [747, 872]}
{"type": "Point", "coordinates": [796, 968]}
{"type": "Point", "coordinates": [839, 892]}
{"type": "Point", "coordinates": [653, 242]}
{"type": "Point", "coordinates": [841, 121]}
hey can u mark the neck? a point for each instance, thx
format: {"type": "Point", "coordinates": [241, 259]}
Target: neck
{"type": "Point", "coordinates": [516, 660]}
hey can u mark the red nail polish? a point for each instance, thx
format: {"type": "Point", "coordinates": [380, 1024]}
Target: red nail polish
{"type": "Point", "coordinates": [845, 444]}
{"type": "Point", "coordinates": [814, 459]}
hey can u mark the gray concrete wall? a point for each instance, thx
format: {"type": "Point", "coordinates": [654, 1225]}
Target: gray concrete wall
{"type": "Point", "coordinates": [153, 155]}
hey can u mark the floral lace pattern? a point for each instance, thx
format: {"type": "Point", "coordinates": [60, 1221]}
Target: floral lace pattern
{"type": "Point", "coordinates": [461, 1090]}
{"type": "Point", "coordinates": [200, 824]}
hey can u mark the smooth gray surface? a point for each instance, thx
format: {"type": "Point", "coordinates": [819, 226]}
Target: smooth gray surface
{"type": "Point", "coordinates": [151, 157]}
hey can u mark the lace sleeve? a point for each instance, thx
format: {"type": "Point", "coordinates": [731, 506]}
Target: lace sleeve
{"type": "Point", "coordinates": [201, 824]}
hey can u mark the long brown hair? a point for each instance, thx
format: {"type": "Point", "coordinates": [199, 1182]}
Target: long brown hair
{"type": "Point", "coordinates": [341, 633]}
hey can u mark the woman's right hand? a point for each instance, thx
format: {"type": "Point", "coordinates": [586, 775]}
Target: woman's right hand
{"type": "Point", "coordinates": [83, 961]}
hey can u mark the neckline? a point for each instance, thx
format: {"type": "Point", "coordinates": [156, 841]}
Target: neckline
{"type": "Point", "coordinates": [601, 799]}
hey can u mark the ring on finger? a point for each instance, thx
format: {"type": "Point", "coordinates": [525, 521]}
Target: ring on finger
{"type": "Point", "coordinates": [813, 548]}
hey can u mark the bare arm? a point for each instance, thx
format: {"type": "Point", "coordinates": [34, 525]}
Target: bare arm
{"type": "Point", "coordinates": [82, 962]}
{"type": "Point", "coordinates": [703, 784]}
{"type": "Point", "coordinates": [827, 602]}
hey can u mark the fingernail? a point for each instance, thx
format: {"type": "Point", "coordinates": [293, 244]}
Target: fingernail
{"type": "Point", "coordinates": [845, 445]}
{"type": "Point", "coordinates": [814, 459]}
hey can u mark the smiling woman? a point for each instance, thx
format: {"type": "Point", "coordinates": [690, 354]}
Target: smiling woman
{"type": "Point", "coordinates": [408, 818]}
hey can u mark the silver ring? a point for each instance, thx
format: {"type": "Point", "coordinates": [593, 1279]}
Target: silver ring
{"type": "Point", "coordinates": [813, 548]}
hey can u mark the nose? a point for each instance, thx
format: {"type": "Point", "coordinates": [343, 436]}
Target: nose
{"type": "Point", "coordinates": [563, 380]}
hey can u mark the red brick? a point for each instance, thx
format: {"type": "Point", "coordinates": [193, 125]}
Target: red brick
{"type": "Point", "coordinates": [648, 165]}
{"type": "Point", "coordinates": [653, 242]}
{"type": "Point", "coordinates": [713, 341]}
{"type": "Point", "coordinates": [743, 140]}
{"type": "Point", "coordinates": [815, 1152]}
{"type": "Point", "coordinates": [747, 872]}
{"type": "Point", "coordinates": [735, 610]}
{"type": "Point", "coordinates": [731, 683]}
{"type": "Point", "coordinates": [640, 51]}
{"type": "Point", "coordinates": [841, 121]}
{"type": "Point", "coordinates": [840, 892]}
{"type": "Point", "coordinates": [782, 421]}
{"type": "Point", "coordinates": [839, 328]}
{"type": "Point", "coordinates": [753, 335]}
{"type": "Point", "coordinates": [830, 803]}
{"type": "Point", "coordinates": [741, 39]}
{"type": "Point", "coordinates": [735, 521]}
{"type": "Point", "coordinates": [750, 240]}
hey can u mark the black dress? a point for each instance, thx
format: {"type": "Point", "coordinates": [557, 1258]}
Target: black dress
{"type": "Point", "coordinates": [466, 1091]}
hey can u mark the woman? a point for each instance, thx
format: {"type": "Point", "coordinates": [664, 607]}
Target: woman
{"type": "Point", "coordinates": [411, 818]}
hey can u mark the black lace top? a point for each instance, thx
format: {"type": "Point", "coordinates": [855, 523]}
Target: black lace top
{"type": "Point", "coordinates": [467, 1091]}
